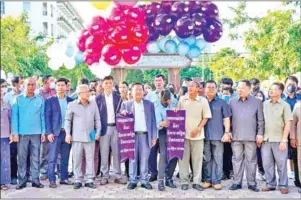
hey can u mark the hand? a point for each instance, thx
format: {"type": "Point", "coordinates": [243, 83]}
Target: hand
{"type": "Point", "coordinates": [282, 146]}
{"type": "Point", "coordinates": [43, 138]}
{"type": "Point", "coordinates": [164, 123]}
{"type": "Point", "coordinates": [259, 140]}
{"type": "Point", "coordinates": [294, 143]}
{"type": "Point", "coordinates": [154, 142]}
{"type": "Point", "coordinates": [226, 137]}
{"type": "Point", "coordinates": [195, 132]}
{"type": "Point", "coordinates": [97, 136]}
{"type": "Point", "coordinates": [124, 112]}
{"type": "Point", "coordinates": [68, 139]}
{"type": "Point", "coordinates": [11, 138]}
{"type": "Point", "coordinates": [50, 138]}
{"type": "Point", "coordinates": [175, 110]}
{"type": "Point", "coordinates": [16, 138]}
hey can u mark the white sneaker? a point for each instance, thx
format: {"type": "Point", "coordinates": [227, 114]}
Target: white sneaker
{"type": "Point", "coordinates": [291, 175]}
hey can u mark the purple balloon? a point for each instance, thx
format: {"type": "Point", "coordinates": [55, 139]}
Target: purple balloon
{"type": "Point", "coordinates": [199, 23]}
{"type": "Point", "coordinates": [166, 6]}
{"type": "Point", "coordinates": [179, 10]}
{"type": "Point", "coordinates": [164, 24]}
{"type": "Point", "coordinates": [151, 13]}
{"type": "Point", "coordinates": [153, 34]}
{"type": "Point", "coordinates": [184, 27]}
{"type": "Point", "coordinates": [210, 10]}
{"type": "Point", "coordinates": [213, 31]}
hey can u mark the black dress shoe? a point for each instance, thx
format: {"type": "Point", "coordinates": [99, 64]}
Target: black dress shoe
{"type": "Point", "coordinates": [169, 183]}
{"type": "Point", "coordinates": [253, 188]}
{"type": "Point", "coordinates": [297, 184]}
{"type": "Point", "coordinates": [20, 187]}
{"type": "Point", "coordinates": [184, 187]}
{"type": "Point", "coordinates": [178, 175]}
{"type": "Point", "coordinates": [197, 187]}
{"type": "Point", "coordinates": [66, 182]}
{"type": "Point", "coordinates": [90, 185]}
{"type": "Point", "coordinates": [77, 185]}
{"type": "Point", "coordinates": [70, 174]}
{"type": "Point", "coordinates": [152, 178]}
{"type": "Point", "coordinates": [132, 186]}
{"type": "Point", "coordinates": [37, 185]}
{"type": "Point", "coordinates": [235, 187]}
{"type": "Point", "coordinates": [29, 179]}
{"type": "Point", "coordinates": [147, 186]}
{"type": "Point", "coordinates": [161, 186]}
{"type": "Point", "coordinates": [14, 181]}
{"type": "Point", "coordinates": [52, 185]}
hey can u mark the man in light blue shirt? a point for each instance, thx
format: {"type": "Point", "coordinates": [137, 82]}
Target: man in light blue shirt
{"type": "Point", "coordinates": [155, 97]}
{"type": "Point", "coordinates": [28, 126]}
{"type": "Point", "coordinates": [16, 90]}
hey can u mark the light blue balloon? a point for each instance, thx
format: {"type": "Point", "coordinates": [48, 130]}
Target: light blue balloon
{"type": "Point", "coordinates": [183, 48]}
{"type": "Point", "coordinates": [176, 39]}
{"type": "Point", "coordinates": [79, 57]}
{"type": "Point", "coordinates": [162, 42]}
{"type": "Point", "coordinates": [191, 40]}
{"type": "Point", "coordinates": [153, 47]}
{"type": "Point", "coordinates": [201, 43]}
{"type": "Point", "coordinates": [171, 47]}
{"type": "Point", "coordinates": [194, 52]}
{"type": "Point", "coordinates": [70, 51]}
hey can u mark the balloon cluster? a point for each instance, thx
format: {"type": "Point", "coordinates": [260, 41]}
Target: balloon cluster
{"type": "Point", "coordinates": [190, 46]}
{"type": "Point", "coordinates": [120, 36]}
{"type": "Point", "coordinates": [185, 18]}
{"type": "Point", "coordinates": [64, 53]}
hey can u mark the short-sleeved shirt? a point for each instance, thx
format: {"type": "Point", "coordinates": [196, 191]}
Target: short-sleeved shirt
{"type": "Point", "coordinates": [296, 124]}
{"type": "Point", "coordinates": [291, 101]}
{"type": "Point", "coordinates": [196, 110]}
{"type": "Point", "coordinates": [214, 129]}
{"type": "Point", "coordinates": [275, 115]}
{"type": "Point", "coordinates": [154, 97]}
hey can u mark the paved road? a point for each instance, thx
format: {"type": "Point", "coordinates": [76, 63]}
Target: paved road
{"type": "Point", "coordinates": [120, 191]}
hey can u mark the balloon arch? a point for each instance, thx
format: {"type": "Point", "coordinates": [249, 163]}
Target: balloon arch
{"type": "Point", "coordinates": [132, 30]}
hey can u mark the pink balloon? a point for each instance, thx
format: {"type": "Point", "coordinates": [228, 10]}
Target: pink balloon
{"type": "Point", "coordinates": [125, 3]}
{"type": "Point", "coordinates": [135, 16]}
{"type": "Point", "coordinates": [81, 44]}
{"type": "Point", "coordinates": [98, 26]}
{"type": "Point", "coordinates": [91, 58]}
{"type": "Point", "coordinates": [131, 55]}
{"type": "Point", "coordinates": [120, 37]}
{"type": "Point", "coordinates": [139, 34]}
{"type": "Point", "coordinates": [143, 47]}
{"type": "Point", "coordinates": [94, 44]}
{"type": "Point", "coordinates": [111, 55]}
{"type": "Point", "coordinates": [117, 17]}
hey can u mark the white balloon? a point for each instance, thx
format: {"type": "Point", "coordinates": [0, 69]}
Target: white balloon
{"type": "Point", "coordinates": [10, 75]}
{"type": "Point", "coordinates": [3, 75]}
{"type": "Point", "coordinates": [100, 69]}
{"type": "Point", "coordinates": [55, 64]}
{"type": "Point", "coordinates": [69, 63]}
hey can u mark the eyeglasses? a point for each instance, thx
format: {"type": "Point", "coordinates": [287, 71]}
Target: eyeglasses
{"type": "Point", "coordinates": [3, 86]}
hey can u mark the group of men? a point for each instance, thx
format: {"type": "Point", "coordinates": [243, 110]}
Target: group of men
{"type": "Point", "coordinates": [48, 123]}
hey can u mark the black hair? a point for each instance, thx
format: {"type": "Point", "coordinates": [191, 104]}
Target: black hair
{"type": "Point", "coordinates": [108, 78]}
{"type": "Point", "coordinates": [160, 75]}
{"type": "Point", "coordinates": [165, 95]}
{"type": "Point", "coordinates": [254, 81]}
{"type": "Point", "coordinates": [61, 80]}
{"type": "Point", "coordinates": [247, 82]}
{"type": "Point", "coordinates": [137, 83]}
{"type": "Point", "coordinates": [45, 78]}
{"type": "Point", "coordinates": [83, 81]}
{"type": "Point", "coordinates": [187, 79]}
{"type": "Point", "coordinates": [15, 80]}
{"type": "Point", "coordinates": [280, 86]}
{"type": "Point", "coordinates": [183, 91]}
{"type": "Point", "coordinates": [227, 81]}
{"type": "Point", "coordinates": [228, 89]}
{"type": "Point", "coordinates": [262, 94]}
{"type": "Point", "coordinates": [211, 81]}
{"type": "Point", "coordinates": [292, 78]}
{"type": "Point", "coordinates": [2, 80]}
{"type": "Point", "coordinates": [125, 83]}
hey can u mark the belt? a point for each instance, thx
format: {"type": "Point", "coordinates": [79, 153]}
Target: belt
{"type": "Point", "coordinates": [140, 133]}
{"type": "Point", "coordinates": [111, 124]}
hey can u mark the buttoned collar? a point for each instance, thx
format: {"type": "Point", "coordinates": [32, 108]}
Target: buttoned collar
{"type": "Point", "coordinates": [197, 98]}
{"type": "Point", "coordinates": [140, 103]}
{"type": "Point", "coordinates": [60, 97]}
{"type": "Point", "coordinates": [108, 96]}
{"type": "Point", "coordinates": [25, 95]}
{"type": "Point", "coordinates": [214, 99]}
{"type": "Point", "coordinates": [78, 101]}
{"type": "Point", "coordinates": [278, 100]}
{"type": "Point", "coordinates": [247, 98]}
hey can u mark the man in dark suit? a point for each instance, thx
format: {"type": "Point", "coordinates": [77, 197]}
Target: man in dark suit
{"type": "Point", "coordinates": [55, 112]}
{"type": "Point", "coordinates": [145, 134]}
{"type": "Point", "coordinates": [109, 104]}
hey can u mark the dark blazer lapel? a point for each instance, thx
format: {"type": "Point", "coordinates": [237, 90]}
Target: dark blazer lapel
{"type": "Point", "coordinates": [57, 104]}
{"type": "Point", "coordinates": [145, 111]}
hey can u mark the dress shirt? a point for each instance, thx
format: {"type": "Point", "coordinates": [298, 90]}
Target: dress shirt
{"type": "Point", "coordinates": [295, 132]}
{"type": "Point", "coordinates": [140, 121]}
{"type": "Point", "coordinates": [160, 114]}
{"type": "Point", "coordinates": [5, 120]}
{"type": "Point", "coordinates": [28, 115]}
{"type": "Point", "coordinates": [10, 97]}
{"type": "Point", "coordinates": [154, 97]}
{"type": "Point", "coordinates": [110, 108]}
{"type": "Point", "coordinates": [247, 118]}
{"type": "Point", "coordinates": [63, 105]}
{"type": "Point", "coordinates": [46, 93]}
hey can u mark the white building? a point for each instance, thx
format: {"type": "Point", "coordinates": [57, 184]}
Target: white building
{"type": "Point", "coordinates": [51, 19]}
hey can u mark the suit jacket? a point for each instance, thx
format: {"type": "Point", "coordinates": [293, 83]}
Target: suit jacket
{"type": "Point", "coordinates": [102, 107]}
{"type": "Point", "coordinates": [150, 117]}
{"type": "Point", "coordinates": [53, 115]}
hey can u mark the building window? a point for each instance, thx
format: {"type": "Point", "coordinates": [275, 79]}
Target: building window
{"type": "Point", "coordinates": [44, 9]}
{"type": "Point", "coordinates": [51, 10]}
{"type": "Point", "coordinates": [52, 30]}
{"type": "Point", "coordinates": [45, 28]}
{"type": "Point", "coordinates": [2, 8]}
{"type": "Point", "coordinates": [26, 6]}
